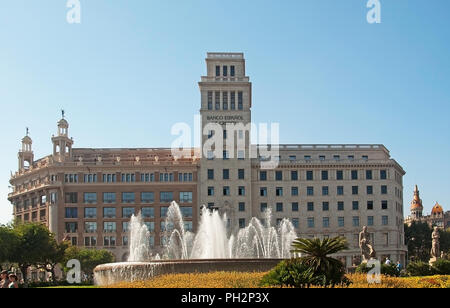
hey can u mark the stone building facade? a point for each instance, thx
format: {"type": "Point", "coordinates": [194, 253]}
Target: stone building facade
{"type": "Point", "coordinates": [88, 195]}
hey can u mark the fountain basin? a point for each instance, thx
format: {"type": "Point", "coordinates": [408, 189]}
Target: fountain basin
{"type": "Point", "coordinates": [109, 274]}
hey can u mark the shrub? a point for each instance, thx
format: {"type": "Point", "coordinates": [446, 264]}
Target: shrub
{"type": "Point", "coordinates": [419, 269]}
{"type": "Point", "coordinates": [441, 267]}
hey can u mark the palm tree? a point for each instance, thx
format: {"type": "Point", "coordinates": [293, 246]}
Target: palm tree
{"type": "Point", "coordinates": [318, 256]}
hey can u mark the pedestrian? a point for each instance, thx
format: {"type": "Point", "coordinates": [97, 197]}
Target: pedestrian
{"type": "Point", "coordinates": [13, 282]}
{"type": "Point", "coordinates": [4, 284]}
{"type": "Point", "coordinates": [399, 267]}
{"type": "Point", "coordinates": [388, 262]}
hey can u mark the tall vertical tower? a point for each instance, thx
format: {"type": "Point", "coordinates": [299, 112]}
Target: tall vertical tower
{"type": "Point", "coordinates": [226, 101]}
{"type": "Point", "coordinates": [416, 205]}
{"type": "Point", "coordinates": [62, 144]}
{"type": "Point", "coordinates": [26, 155]}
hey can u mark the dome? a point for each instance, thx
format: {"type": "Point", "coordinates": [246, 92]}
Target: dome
{"type": "Point", "coordinates": [437, 209]}
{"type": "Point", "coordinates": [63, 123]}
{"type": "Point", "coordinates": [26, 140]}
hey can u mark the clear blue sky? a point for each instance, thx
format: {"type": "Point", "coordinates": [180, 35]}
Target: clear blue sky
{"type": "Point", "coordinates": [129, 71]}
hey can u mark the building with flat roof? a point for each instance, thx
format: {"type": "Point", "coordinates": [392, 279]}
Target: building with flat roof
{"type": "Point", "coordinates": [89, 195]}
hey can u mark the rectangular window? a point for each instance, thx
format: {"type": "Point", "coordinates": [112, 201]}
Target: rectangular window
{"type": "Point", "coordinates": [279, 207]}
{"type": "Point", "coordinates": [384, 190]}
{"type": "Point", "coordinates": [147, 197]}
{"type": "Point", "coordinates": [240, 101]}
{"type": "Point", "coordinates": [226, 174]}
{"type": "Point", "coordinates": [164, 210]}
{"type": "Point", "coordinates": [263, 191]}
{"type": "Point", "coordinates": [186, 196]}
{"type": "Point", "coordinates": [90, 178]}
{"type": "Point", "coordinates": [341, 222]}
{"type": "Point", "coordinates": [370, 220]}
{"type": "Point", "coordinates": [310, 222]}
{"type": "Point", "coordinates": [217, 100]}
{"type": "Point", "coordinates": [294, 191]}
{"type": "Point", "coordinates": [71, 197]}
{"type": "Point", "coordinates": [294, 175]}
{"type": "Point", "coordinates": [109, 178]}
{"type": "Point", "coordinates": [210, 174]}
{"type": "Point", "coordinates": [325, 191]}
{"type": "Point", "coordinates": [384, 205]}
{"type": "Point", "coordinates": [241, 191]}
{"type": "Point", "coordinates": [354, 190]}
{"type": "Point", "coordinates": [325, 206]}
{"type": "Point", "coordinates": [210, 191]}
{"type": "Point", "coordinates": [90, 212]}
{"type": "Point", "coordinates": [370, 205]}
{"type": "Point", "coordinates": [241, 206]}
{"type": "Point", "coordinates": [128, 178]}
{"type": "Point", "coordinates": [242, 223]}
{"type": "Point", "coordinates": [384, 220]}
{"type": "Point", "coordinates": [370, 190]}
{"type": "Point", "coordinates": [109, 212]}
{"type": "Point", "coordinates": [354, 174]}
{"type": "Point", "coordinates": [71, 212]}
{"type": "Point", "coordinates": [263, 175]}
{"type": "Point", "coordinates": [294, 206]}
{"type": "Point", "coordinates": [355, 205]}
{"type": "Point", "coordinates": [296, 223]}
{"type": "Point", "coordinates": [109, 197]}
{"type": "Point", "coordinates": [263, 207]}
{"type": "Point", "coordinates": [166, 197]}
{"type": "Point", "coordinates": [71, 227]}
{"type": "Point", "coordinates": [355, 221]}
{"type": "Point", "coordinates": [339, 175]}
{"type": "Point", "coordinates": [340, 190]}
{"type": "Point", "coordinates": [369, 175]}
{"type": "Point", "coordinates": [232, 70]}
{"type": "Point", "coordinates": [233, 100]}
{"type": "Point", "coordinates": [309, 176]}
{"type": "Point", "coordinates": [90, 198]}
{"type": "Point", "coordinates": [217, 70]}
{"type": "Point", "coordinates": [225, 101]}
{"type": "Point", "coordinates": [147, 177]}
{"type": "Point", "coordinates": [279, 191]}
{"type": "Point", "coordinates": [326, 222]}
{"type": "Point", "coordinates": [148, 212]}
{"type": "Point", "coordinates": [225, 71]}
{"type": "Point", "coordinates": [128, 197]}
{"type": "Point", "coordinates": [310, 206]}
{"type": "Point", "coordinates": [310, 191]}
{"type": "Point", "coordinates": [186, 211]}
{"type": "Point", "coordinates": [241, 174]}
{"type": "Point", "coordinates": [324, 175]}
{"type": "Point", "coordinates": [383, 174]}
{"type": "Point", "coordinates": [127, 212]}
{"type": "Point", "coordinates": [210, 100]}
{"type": "Point", "coordinates": [279, 175]}
{"type": "Point", "coordinates": [226, 191]}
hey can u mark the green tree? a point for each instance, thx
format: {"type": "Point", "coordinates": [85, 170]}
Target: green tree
{"type": "Point", "coordinates": [8, 243]}
{"type": "Point", "coordinates": [418, 240]}
{"type": "Point", "coordinates": [53, 256]}
{"type": "Point", "coordinates": [89, 258]}
{"type": "Point", "coordinates": [317, 256]}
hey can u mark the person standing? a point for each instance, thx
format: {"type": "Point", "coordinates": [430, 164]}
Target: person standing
{"type": "Point", "coordinates": [4, 284]}
{"type": "Point", "coordinates": [13, 282]}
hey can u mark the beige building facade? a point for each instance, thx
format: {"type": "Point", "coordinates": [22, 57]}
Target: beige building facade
{"type": "Point", "coordinates": [88, 195]}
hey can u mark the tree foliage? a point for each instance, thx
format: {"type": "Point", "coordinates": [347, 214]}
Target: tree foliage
{"type": "Point", "coordinates": [89, 258]}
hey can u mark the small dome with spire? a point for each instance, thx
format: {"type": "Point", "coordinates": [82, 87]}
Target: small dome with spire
{"type": "Point", "coordinates": [437, 209]}
{"type": "Point", "coordinates": [416, 203]}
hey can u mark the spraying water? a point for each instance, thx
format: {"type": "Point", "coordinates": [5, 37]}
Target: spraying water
{"type": "Point", "coordinates": [258, 240]}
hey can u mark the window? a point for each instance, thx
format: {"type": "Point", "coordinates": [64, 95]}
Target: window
{"type": "Point", "coordinates": [166, 196]}
{"type": "Point", "coordinates": [294, 191]}
{"type": "Point", "coordinates": [148, 212]}
{"type": "Point", "coordinates": [322, 158]}
{"type": "Point", "coordinates": [90, 212]}
{"type": "Point", "coordinates": [370, 220]}
{"type": "Point", "coordinates": [225, 71]}
{"type": "Point", "coordinates": [186, 211]}
{"type": "Point", "coordinates": [147, 177]}
{"type": "Point", "coordinates": [147, 197]}
{"type": "Point", "coordinates": [325, 191]}
{"type": "Point", "coordinates": [71, 227]}
{"type": "Point", "coordinates": [188, 226]}
{"type": "Point", "coordinates": [337, 157]}
{"type": "Point", "coordinates": [279, 207]}
{"type": "Point", "coordinates": [339, 175]}
{"type": "Point", "coordinates": [150, 226]}
{"type": "Point", "coordinates": [310, 191]}
{"type": "Point", "coordinates": [217, 71]}
{"type": "Point", "coordinates": [164, 210]}
{"type": "Point", "coordinates": [354, 190]}
{"type": "Point", "coordinates": [383, 174]}
{"type": "Point", "coordinates": [210, 191]}
{"type": "Point", "coordinates": [309, 176]}
{"type": "Point", "coordinates": [384, 190]}
{"type": "Point", "coordinates": [109, 212]}
{"type": "Point", "coordinates": [351, 157]}
{"type": "Point", "coordinates": [355, 221]}
{"type": "Point", "coordinates": [166, 177]}
{"type": "Point", "coordinates": [71, 197]}
{"type": "Point", "coordinates": [109, 178]}
{"type": "Point", "coordinates": [370, 205]}
{"type": "Point", "coordinates": [279, 191]}
{"type": "Point", "coordinates": [109, 241]}
{"type": "Point", "coordinates": [109, 197]}
{"type": "Point", "coordinates": [226, 191]}
{"type": "Point", "coordinates": [384, 220]}
{"type": "Point", "coordinates": [354, 174]}
{"type": "Point", "coordinates": [310, 206]}
{"type": "Point", "coordinates": [263, 192]}
{"type": "Point", "coordinates": [241, 191]}
{"type": "Point", "coordinates": [310, 222]}
{"type": "Point", "coordinates": [324, 175]}
{"type": "Point", "coordinates": [71, 178]}
{"type": "Point", "coordinates": [127, 212]}
{"type": "Point", "coordinates": [355, 205]}
{"type": "Point", "coordinates": [326, 222]}
{"type": "Point", "coordinates": [225, 104]}
{"type": "Point", "coordinates": [384, 205]}
{"type": "Point", "coordinates": [340, 190]}
{"type": "Point", "coordinates": [90, 241]}
{"type": "Point", "coordinates": [325, 206]}
{"type": "Point", "coordinates": [370, 190]}
{"type": "Point", "coordinates": [263, 175]}
{"type": "Point", "coordinates": [279, 175]}
{"type": "Point", "coordinates": [128, 177]}
{"type": "Point", "coordinates": [240, 101]}
{"type": "Point", "coordinates": [307, 158]}
{"type": "Point", "coordinates": [186, 196]}
{"type": "Point", "coordinates": [210, 174]}
{"type": "Point", "coordinates": [226, 155]}
{"type": "Point", "coordinates": [90, 178]}
{"type": "Point", "coordinates": [226, 174]}
{"type": "Point", "coordinates": [295, 223]}
{"type": "Point", "coordinates": [217, 100]}
{"type": "Point", "coordinates": [369, 175]}
{"type": "Point", "coordinates": [294, 175]}
{"type": "Point", "coordinates": [263, 207]}
{"type": "Point", "coordinates": [232, 71]}
{"type": "Point", "coordinates": [233, 100]}
{"type": "Point", "coordinates": [90, 198]}
{"type": "Point", "coordinates": [294, 206]}
{"type": "Point", "coordinates": [128, 197]}
{"type": "Point", "coordinates": [241, 174]}
{"type": "Point", "coordinates": [90, 227]}
{"type": "Point", "coordinates": [242, 223]}
{"type": "Point", "coordinates": [210, 100]}
{"type": "Point", "coordinates": [241, 206]}
{"type": "Point", "coordinates": [71, 212]}
{"type": "Point", "coordinates": [125, 241]}
{"type": "Point", "coordinates": [341, 222]}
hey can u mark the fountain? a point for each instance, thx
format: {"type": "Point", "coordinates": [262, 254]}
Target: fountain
{"type": "Point", "coordinates": [257, 247]}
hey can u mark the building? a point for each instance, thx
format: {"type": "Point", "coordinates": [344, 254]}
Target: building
{"type": "Point", "coordinates": [88, 195]}
{"type": "Point", "coordinates": [437, 218]}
